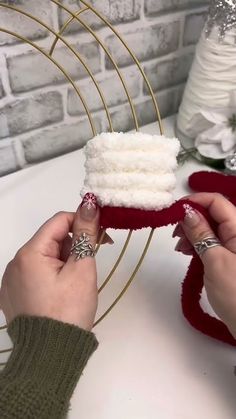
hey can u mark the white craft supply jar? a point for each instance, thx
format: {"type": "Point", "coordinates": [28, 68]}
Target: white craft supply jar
{"type": "Point", "coordinates": [213, 74]}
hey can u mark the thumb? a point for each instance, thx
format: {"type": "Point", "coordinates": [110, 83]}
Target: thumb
{"type": "Point", "coordinates": [197, 228]}
{"type": "Point", "coordinates": [86, 222]}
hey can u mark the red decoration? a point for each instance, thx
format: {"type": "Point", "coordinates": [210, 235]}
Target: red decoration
{"type": "Point", "coordinates": [213, 182]}
{"type": "Point", "coordinates": [135, 219]}
{"type": "Point", "coordinates": [131, 218]}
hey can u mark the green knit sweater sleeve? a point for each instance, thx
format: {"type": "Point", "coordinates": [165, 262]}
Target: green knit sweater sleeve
{"type": "Point", "coordinates": [47, 360]}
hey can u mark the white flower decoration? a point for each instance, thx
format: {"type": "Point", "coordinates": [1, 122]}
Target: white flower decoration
{"type": "Point", "coordinates": [217, 138]}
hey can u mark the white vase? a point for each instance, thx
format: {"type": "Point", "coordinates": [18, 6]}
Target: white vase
{"type": "Point", "coordinates": [211, 80]}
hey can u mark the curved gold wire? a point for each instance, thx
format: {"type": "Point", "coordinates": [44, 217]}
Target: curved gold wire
{"type": "Point", "coordinates": [3, 327]}
{"type": "Point", "coordinates": [63, 28]}
{"type": "Point", "coordinates": [108, 278]}
{"type": "Point", "coordinates": [135, 60]}
{"type": "Point", "coordinates": [73, 51]}
{"type": "Point", "coordinates": [124, 84]}
{"type": "Point", "coordinates": [110, 57]}
{"type": "Point", "coordinates": [4, 351]}
{"type": "Point", "coordinates": [75, 16]}
{"type": "Point", "coordinates": [129, 281]}
{"type": "Point", "coordinates": [22, 38]}
{"type": "Point", "coordinates": [90, 7]}
{"type": "Point", "coordinates": [57, 37]}
{"type": "Point", "coordinates": [68, 77]}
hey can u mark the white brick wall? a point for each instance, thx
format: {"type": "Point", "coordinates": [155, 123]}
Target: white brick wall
{"type": "Point", "coordinates": [111, 88]}
{"type": "Point", "coordinates": [191, 29]}
{"type": "Point", "coordinates": [147, 43]}
{"type": "Point", "coordinates": [59, 140]}
{"type": "Point", "coordinates": [23, 77]}
{"type": "Point", "coordinates": [117, 11]}
{"type": "Point", "coordinates": [26, 114]}
{"type": "Point", "coordinates": [28, 28]}
{"type": "Point", "coordinates": [168, 73]}
{"type": "Point", "coordinates": [162, 6]}
{"type": "Point", "coordinates": [41, 115]}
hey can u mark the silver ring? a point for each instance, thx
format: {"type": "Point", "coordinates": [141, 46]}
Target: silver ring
{"type": "Point", "coordinates": [82, 247]}
{"type": "Point", "coordinates": [201, 246]}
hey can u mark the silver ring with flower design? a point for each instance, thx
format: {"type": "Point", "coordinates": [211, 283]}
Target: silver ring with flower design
{"type": "Point", "coordinates": [82, 247]}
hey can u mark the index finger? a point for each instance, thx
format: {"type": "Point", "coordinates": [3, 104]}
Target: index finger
{"type": "Point", "coordinates": [222, 211]}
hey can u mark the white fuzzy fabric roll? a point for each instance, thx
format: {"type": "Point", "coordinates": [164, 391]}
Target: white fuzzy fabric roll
{"type": "Point", "coordinates": [137, 141]}
{"type": "Point", "coordinates": [132, 181]}
{"type": "Point", "coordinates": [144, 162]}
{"type": "Point", "coordinates": [211, 80]}
{"type": "Point", "coordinates": [147, 200]}
{"type": "Point", "coordinates": [133, 170]}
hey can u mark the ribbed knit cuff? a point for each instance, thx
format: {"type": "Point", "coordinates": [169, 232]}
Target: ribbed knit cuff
{"type": "Point", "coordinates": [48, 352]}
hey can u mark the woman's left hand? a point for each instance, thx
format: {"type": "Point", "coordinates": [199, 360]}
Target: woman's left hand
{"type": "Point", "coordinates": [45, 280]}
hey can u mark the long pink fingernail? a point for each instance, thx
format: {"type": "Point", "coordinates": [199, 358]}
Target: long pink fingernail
{"type": "Point", "coordinates": [88, 206]}
{"type": "Point", "coordinates": [183, 246]}
{"type": "Point", "coordinates": [178, 247]}
{"type": "Point", "coordinates": [192, 217]}
{"type": "Point", "coordinates": [178, 231]}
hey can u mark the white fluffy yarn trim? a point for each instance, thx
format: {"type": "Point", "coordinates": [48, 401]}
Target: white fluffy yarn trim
{"type": "Point", "coordinates": [132, 199]}
{"type": "Point", "coordinates": [131, 181]}
{"type": "Point", "coordinates": [125, 162]}
{"type": "Point", "coordinates": [119, 141]}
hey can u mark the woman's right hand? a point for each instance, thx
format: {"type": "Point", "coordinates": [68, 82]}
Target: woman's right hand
{"type": "Point", "coordinates": [219, 262]}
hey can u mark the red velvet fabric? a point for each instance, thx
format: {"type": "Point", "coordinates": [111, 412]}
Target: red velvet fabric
{"type": "Point", "coordinates": [213, 182]}
{"type": "Point", "coordinates": [130, 218]}
{"type": "Point", "coordinates": [192, 310]}
{"type": "Point", "coordinates": [135, 219]}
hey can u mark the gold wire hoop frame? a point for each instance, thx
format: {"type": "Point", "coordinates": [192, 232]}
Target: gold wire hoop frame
{"type": "Point", "coordinates": [62, 30]}
{"type": "Point", "coordinates": [129, 282]}
{"type": "Point", "coordinates": [90, 7]}
{"type": "Point", "coordinates": [76, 16]}
{"type": "Point", "coordinates": [59, 36]}
{"type": "Point", "coordinates": [59, 66]}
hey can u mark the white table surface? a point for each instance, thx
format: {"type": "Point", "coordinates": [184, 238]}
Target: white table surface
{"type": "Point", "coordinates": [150, 363]}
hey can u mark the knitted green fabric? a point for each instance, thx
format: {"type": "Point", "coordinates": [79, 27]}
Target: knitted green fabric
{"type": "Point", "coordinates": [47, 360]}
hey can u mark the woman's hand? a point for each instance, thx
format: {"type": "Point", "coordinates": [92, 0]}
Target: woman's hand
{"type": "Point", "coordinates": [219, 262]}
{"type": "Point", "coordinates": [45, 280]}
